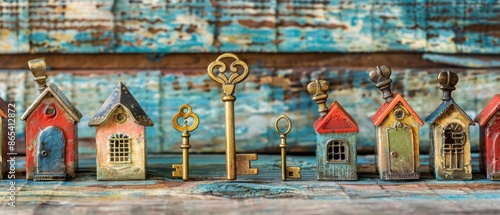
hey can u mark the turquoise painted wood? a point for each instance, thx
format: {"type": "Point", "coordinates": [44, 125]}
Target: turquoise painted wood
{"type": "Point", "coordinates": [266, 94]}
{"type": "Point", "coordinates": [168, 26]}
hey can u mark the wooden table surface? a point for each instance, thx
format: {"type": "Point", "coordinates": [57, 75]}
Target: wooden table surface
{"type": "Point", "coordinates": [209, 193]}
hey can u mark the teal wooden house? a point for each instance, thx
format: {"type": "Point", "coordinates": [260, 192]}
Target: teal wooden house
{"type": "Point", "coordinates": [336, 138]}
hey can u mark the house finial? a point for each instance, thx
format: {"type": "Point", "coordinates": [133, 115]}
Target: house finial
{"type": "Point", "coordinates": [381, 77]}
{"type": "Point", "coordinates": [318, 90]}
{"type": "Point", "coordinates": [38, 68]}
{"type": "Point", "coordinates": [447, 80]}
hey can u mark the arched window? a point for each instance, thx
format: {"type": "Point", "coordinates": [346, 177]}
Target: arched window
{"type": "Point", "coordinates": [119, 148]}
{"type": "Point", "coordinates": [453, 147]}
{"type": "Point", "coordinates": [337, 151]}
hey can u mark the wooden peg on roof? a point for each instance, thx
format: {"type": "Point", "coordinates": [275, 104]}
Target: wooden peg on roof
{"type": "Point", "coordinates": [447, 81]}
{"type": "Point", "coordinates": [38, 68]}
{"type": "Point", "coordinates": [381, 76]}
{"type": "Point", "coordinates": [318, 89]}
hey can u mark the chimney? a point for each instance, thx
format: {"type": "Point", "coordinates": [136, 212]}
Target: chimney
{"type": "Point", "coordinates": [381, 77]}
{"type": "Point", "coordinates": [447, 80]}
{"type": "Point", "coordinates": [318, 90]}
{"type": "Point", "coordinates": [38, 67]}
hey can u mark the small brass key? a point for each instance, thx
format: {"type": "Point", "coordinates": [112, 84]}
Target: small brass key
{"type": "Point", "coordinates": [185, 111]}
{"type": "Point", "coordinates": [292, 171]}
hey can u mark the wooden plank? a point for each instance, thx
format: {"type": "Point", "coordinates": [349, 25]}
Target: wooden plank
{"type": "Point", "coordinates": [209, 192]}
{"type": "Point", "coordinates": [266, 94]}
{"type": "Point", "coordinates": [164, 26]}
{"type": "Point", "coordinates": [462, 27]}
{"type": "Point", "coordinates": [111, 62]}
{"type": "Point", "coordinates": [184, 26]}
{"type": "Point", "coordinates": [245, 26]}
{"type": "Point", "coordinates": [82, 26]}
{"type": "Point", "coordinates": [14, 26]}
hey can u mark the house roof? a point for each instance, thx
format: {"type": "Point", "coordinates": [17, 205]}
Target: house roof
{"type": "Point", "coordinates": [387, 107]}
{"type": "Point", "coordinates": [489, 110]}
{"type": "Point", "coordinates": [443, 107]}
{"type": "Point", "coordinates": [3, 108]}
{"type": "Point", "coordinates": [59, 96]}
{"type": "Point", "coordinates": [337, 120]}
{"type": "Point", "coordinates": [121, 97]}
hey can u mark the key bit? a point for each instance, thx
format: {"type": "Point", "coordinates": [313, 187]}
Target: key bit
{"type": "Point", "coordinates": [243, 164]}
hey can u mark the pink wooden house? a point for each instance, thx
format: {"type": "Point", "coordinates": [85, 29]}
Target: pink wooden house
{"type": "Point", "coordinates": [121, 137]}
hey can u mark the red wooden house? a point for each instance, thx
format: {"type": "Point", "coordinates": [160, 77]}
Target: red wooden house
{"type": "Point", "coordinates": [489, 139]}
{"type": "Point", "coordinates": [3, 138]}
{"type": "Point", "coordinates": [51, 131]}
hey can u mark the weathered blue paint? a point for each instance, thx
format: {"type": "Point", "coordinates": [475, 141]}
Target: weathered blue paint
{"type": "Point", "coordinates": [14, 30]}
{"type": "Point", "coordinates": [336, 171]}
{"type": "Point", "coordinates": [50, 153]}
{"type": "Point", "coordinates": [239, 190]}
{"type": "Point", "coordinates": [165, 26]}
{"type": "Point", "coordinates": [469, 61]}
{"type": "Point", "coordinates": [266, 94]}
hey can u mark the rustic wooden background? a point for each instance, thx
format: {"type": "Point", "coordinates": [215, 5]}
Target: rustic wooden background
{"type": "Point", "coordinates": [90, 45]}
{"type": "Point", "coordinates": [166, 26]}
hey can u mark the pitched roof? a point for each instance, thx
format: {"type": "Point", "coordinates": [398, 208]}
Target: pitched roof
{"type": "Point", "coordinates": [337, 120]}
{"type": "Point", "coordinates": [121, 97]}
{"type": "Point", "coordinates": [443, 107]}
{"type": "Point", "coordinates": [59, 97]}
{"type": "Point", "coordinates": [3, 108]}
{"type": "Point", "coordinates": [387, 107]}
{"type": "Point", "coordinates": [489, 110]}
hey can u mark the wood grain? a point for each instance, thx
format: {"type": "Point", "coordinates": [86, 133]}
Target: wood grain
{"type": "Point", "coordinates": [278, 26]}
{"type": "Point", "coordinates": [208, 191]}
{"type": "Point", "coordinates": [266, 94]}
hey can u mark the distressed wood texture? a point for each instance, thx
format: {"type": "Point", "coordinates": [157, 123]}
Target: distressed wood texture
{"type": "Point", "coordinates": [168, 26]}
{"type": "Point", "coordinates": [266, 94]}
{"type": "Point", "coordinates": [209, 193]}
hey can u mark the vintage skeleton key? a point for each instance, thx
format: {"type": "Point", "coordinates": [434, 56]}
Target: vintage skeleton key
{"type": "Point", "coordinates": [291, 171]}
{"type": "Point", "coordinates": [185, 112]}
{"type": "Point", "coordinates": [218, 72]}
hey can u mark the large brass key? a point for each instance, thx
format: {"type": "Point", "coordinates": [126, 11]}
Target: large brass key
{"type": "Point", "coordinates": [291, 171]}
{"type": "Point", "coordinates": [185, 112]}
{"type": "Point", "coordinates": [218, 72]}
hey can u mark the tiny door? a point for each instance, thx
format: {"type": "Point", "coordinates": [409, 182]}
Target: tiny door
{"type": "Point", "coordinates": [50, 151]}
{"type": "Point", "coordinates": [401, 150]}
{"type": "Point", "coordinates": [496, 154]}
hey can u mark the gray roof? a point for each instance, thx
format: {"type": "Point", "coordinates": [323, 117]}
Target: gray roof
{"type": "Point", "coordinates": [443, 107]}
{"type": "Point", "coordinates": [60, 98]}
{"type": "Point", "coordinates": [121, 97]}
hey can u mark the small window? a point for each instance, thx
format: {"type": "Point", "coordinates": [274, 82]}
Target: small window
{"type": "Point", "coordinates": [337, 151]}
{"type": "Point", "coordinates": [453, 147]}
{"type": "Point", "coordinates": [119, 148]}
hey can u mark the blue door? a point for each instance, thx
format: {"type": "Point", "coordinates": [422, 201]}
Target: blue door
{"type": "Point", "coordinates": [50, 149]}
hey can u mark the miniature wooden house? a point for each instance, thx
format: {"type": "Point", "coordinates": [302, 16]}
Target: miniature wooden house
{"type": "Point", "coordinates": [449, 150]}
{"type": "Point", "coordinates": [51, 131]}
{"type": "Point", "coordinates": [336, 138]}
{"type": "Point", "coordinates": [396, 132]}
{"type": "Point", "coordinates": [121, 137]}
{"type": "Point", "coordinates": [3, 138]}
{"type": "Point", "coordinates": [489, 139]}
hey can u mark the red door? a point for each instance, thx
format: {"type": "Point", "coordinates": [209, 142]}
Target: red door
{"type": "Point", "coordinates": [496, 153]}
